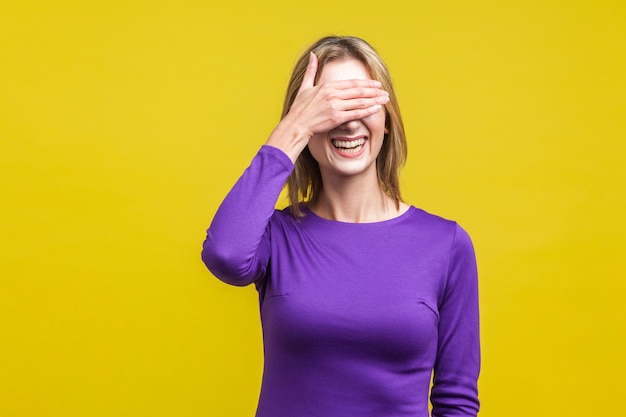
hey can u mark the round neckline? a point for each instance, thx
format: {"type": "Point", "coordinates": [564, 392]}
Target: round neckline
{"type": "Point", "coordinates": [392, 220]}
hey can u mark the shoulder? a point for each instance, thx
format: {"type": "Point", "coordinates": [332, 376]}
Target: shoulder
{"type": "Point", "coordinates": [432, 223]}
{"type": "Point", "coordinates": [445, 231]}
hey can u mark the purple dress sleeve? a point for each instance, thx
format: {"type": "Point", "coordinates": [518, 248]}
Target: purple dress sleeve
{"type": "Point", "coordinates": [454, 392]}
{"type": "Point", "coordinates": [236, 249]}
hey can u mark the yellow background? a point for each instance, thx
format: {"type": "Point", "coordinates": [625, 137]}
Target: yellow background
{"type": "Point", "coordinates": [124, 123]}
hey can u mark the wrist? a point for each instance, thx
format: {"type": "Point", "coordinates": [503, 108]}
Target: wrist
{"type": "Point", "coordinates": [290, 138]}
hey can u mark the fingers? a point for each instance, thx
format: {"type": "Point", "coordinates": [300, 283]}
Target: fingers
{"type": "Point", "coordinates": [358, 113]}
{"type": "Point", "coordinates": [348, 90]}
{"type": "Point", "coordinates": [358, 93]}
{"type": "Point", "coordinates": [309, 75]}
{"type": "Point", "coordinates": [362, 113]}
{"type": "Point", "coordinates": [348, 84]}
{"type": "Point", "coordinates": [355, 98]}
{"type": "Point", "coordinates": [350, 108]}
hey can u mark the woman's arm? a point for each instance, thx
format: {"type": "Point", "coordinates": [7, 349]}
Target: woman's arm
{"type": "Point", "coordinates": [236, 249]}
{"type": "Point", "coordinates": [457, 366]}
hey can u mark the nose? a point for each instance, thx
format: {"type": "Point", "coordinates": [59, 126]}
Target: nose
{"type": "Point", "coordinates": [349, 126]}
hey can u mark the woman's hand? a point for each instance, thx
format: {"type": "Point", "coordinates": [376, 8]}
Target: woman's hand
{"type": "Point", "coordinates": [318, 109]}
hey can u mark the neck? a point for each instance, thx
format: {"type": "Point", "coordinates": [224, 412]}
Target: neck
{"type": "Point", "coordinates": [356, 199]}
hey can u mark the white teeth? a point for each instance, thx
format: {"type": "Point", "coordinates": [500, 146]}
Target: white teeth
{"type": "Point", "coordinates": [348, 144]}
{"type": "Point", "coordinates": [351, 150]}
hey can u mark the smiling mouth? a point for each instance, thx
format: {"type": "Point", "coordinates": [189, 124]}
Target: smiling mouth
{"type": "Point", "coordinates": [348, 146]}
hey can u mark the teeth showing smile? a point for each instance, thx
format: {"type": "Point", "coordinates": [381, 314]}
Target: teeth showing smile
{"type": "Point", "coordinates": [348, 146]}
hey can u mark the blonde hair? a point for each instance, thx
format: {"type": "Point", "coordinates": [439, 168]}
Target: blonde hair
{"type": "Point", "coordinates": [305, 182]}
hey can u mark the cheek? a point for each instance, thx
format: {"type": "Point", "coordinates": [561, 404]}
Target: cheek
{"type": "Point", "coordinates": [375, 123]}
{"type": "Point", "coordinates": [316, 146]}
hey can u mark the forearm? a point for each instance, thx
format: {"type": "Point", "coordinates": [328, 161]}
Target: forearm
{"type": "Point", "coordinates": [236, 248]}
{"type": "Point", "coordinates": [290, 138]}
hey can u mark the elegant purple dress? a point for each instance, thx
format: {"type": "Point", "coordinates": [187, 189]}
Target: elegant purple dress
{"type": "Point", "coordinates": [355, 316]}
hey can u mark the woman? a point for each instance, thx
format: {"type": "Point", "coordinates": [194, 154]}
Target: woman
{"type": "Point", "coordinates": [362, 296]}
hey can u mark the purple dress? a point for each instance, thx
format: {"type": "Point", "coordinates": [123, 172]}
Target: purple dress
{"type": "Point", "coordinates": [355, 316]}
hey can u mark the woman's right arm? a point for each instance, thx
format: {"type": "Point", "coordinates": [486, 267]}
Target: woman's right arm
{"type": "Point", "coordinates": [236, 248]}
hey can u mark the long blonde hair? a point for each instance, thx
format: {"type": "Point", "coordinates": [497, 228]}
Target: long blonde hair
{"type": "Point", "coordinates": [305, 182]}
